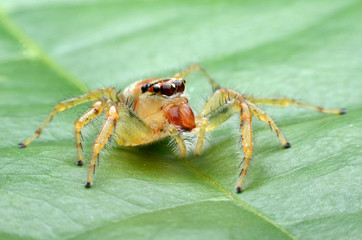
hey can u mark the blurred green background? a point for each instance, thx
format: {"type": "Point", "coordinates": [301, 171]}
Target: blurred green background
{"type": "Point", "coordinates": [306, 50]}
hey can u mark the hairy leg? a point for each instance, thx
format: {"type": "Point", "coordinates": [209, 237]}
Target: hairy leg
{"type": "Point", "coordinates": [221, 106]}
{"type": "Point", "coordinates": [64, 105]}
{"type": "Point", "coordinates": [197, 67]}
{"type": "Point", "coordinates": [102, 139]}
{"type": "Point", "coordinates": [283, 102]}
{"type": "Point", "coordinates": [179, 140]}
{"type": "Point", "coordinates": [257, 112]}
{"type": "Point", "coordinates": [247, 140]}
{"type": "Point", "coordinates": [220, 97]}
{"type": "Point", "coordinates": [96, 109]}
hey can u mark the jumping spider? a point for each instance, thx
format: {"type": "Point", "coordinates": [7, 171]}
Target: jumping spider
{"type": "Point", "coordinates": [156, 108]}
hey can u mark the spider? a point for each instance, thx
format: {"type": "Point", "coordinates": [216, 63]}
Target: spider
{"type": "Point", "coordinates": [153, 109]}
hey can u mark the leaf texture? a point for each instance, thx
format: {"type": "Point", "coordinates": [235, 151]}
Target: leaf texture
{"type": "Point", "coordinates": [307, 50]}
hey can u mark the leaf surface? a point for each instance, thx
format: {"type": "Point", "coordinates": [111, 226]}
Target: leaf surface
{"type": "Point", "coordinates": [307, 50]}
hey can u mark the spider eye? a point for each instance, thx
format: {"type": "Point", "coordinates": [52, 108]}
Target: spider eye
{"type": "Point", "coordinates": [145, 87]}
{"type": "Point", "coordinates": [167, 89]}
{"type": "Point", "coordinates": [180, 86]}
{"type": "Point", "coordinates": [156, 88]}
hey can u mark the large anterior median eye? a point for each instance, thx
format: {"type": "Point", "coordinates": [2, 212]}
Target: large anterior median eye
{"type": "Point", "coordinates": [167, 89]}
{"type": "Point", "coordinates": [180, 86]}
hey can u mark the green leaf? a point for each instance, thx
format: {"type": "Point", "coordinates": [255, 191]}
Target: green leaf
{"type": "Point", "coordinates": [307, 50]}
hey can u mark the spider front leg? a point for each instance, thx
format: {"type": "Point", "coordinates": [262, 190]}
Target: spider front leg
{"type": "Point", "coordinates": [261, 115]}
{"type": "Point", "coordinates": [219, 108]}
{"type": "Point", "coordinates": [64, 105]}
{"type": "Point", "coordinates": [102, 139]}
{"type": "Point", "coordinates": [96, 109]}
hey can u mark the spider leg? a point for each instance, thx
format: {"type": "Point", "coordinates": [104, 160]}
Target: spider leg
{"type": "Point", "coordinates": [129, 131]}
{"type": "Point", "coordinates": [219, 108]}
{"type": "Point", "coordinates": [200, 139]}
{"type": "Point", "coordinates": [283, 102]}
{"type": "Point", "coordinates": [247, 140]}
{"type": "Point", "coordinates": [180, 142]}
{"type": "Point", "coordinates": [257, 112]}
{"type": "Point", "coordinates": [197, 67]}
{"type": "Point", "coordinates": [101, 140]}
{"type": "Point", "coordinates": [64, 105]}
{"type": "Point", "coordinates": [96, 109]}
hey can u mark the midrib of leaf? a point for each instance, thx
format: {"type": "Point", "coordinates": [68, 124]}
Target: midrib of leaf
{"type": "Point", "coordinates": [38, 53]}
{"type": "Point", "coordinates": [16, 32]}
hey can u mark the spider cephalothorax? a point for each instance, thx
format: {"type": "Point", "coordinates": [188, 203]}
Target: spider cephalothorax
{"type": "Point", "coordinates": [152, 109]}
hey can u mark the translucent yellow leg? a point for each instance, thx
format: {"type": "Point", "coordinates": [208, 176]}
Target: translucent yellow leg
{"type": "Point", "coordinates": [219, 108]}
{"type": "Point", "coordinates": [247, 140]}
{"type": "Point", "coordinates": [283, 102]}
{"type": "Point", "coordinates": [102, 139]}
{"type": "Point", "coordinates": [220, 97]}
{"type": "Point", "coordinates": [64, 105]}
{"type": "Point", "coordinates": [179, 140]}
{"type": "Point", "coordinates": [96, 109]}
{"type": "Point", "coordinates": [200, 139]}
{"type": "Point", "coordinates": [197, 67]}
{"type": "Point", "coordinates": [266, 118]}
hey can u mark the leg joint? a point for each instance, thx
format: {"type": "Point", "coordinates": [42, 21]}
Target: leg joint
{"type": "Point", "coordinates": [60, 106]}
{"type": "Point", "coordinates": [78, 125]}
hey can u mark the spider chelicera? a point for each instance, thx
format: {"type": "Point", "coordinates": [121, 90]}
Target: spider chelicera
{"type": "Point", "coordinates": [152, 109]}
